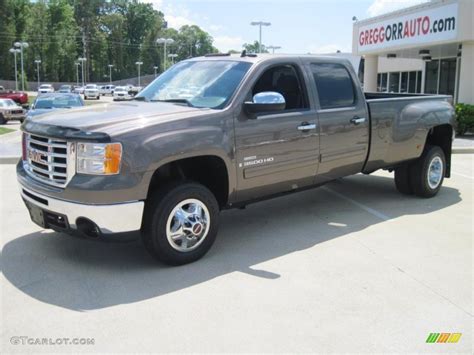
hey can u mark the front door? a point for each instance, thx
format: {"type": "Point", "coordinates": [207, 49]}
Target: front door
{"type": "Point", "coordinates": [277, 152]}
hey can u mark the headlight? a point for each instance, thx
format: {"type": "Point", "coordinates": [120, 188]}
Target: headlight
{"type": "Point", "coordinates": [99, 158]}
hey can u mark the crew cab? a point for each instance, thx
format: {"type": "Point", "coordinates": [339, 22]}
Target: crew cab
{"type": "Point", "coordinates": [220, 132]}
{"type": "Point", "coordinates": [19, 97]}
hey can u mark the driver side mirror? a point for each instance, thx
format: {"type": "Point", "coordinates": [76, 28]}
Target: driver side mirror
{"type": "Point", "coordinates": [265, 102]}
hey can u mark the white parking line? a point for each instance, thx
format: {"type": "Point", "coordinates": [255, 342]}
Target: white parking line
{"type": "Point", "coordinates": [358, 204]}
{"type": "Point", "coordinates": [463, 175]}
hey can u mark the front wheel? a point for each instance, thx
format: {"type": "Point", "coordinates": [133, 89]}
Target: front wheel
{"type": "Point", "coordinates": [180, 223]}
{"type": "Point", "coordinates": [2, 119]}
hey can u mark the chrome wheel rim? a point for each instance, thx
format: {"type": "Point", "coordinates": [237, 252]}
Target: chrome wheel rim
{"type": "Point", "coordinates": [188, 225]}
{"type": "Point", "coordinates": [435, 172]}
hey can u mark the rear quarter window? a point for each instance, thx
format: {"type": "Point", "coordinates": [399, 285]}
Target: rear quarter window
{"type": "Point", "coordinates": [334, 84]}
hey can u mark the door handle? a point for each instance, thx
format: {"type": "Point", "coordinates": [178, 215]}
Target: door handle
{"type": "Point", "coordinates": [305, 126]}
{"type": "Point", "coordinates": [358, 120]}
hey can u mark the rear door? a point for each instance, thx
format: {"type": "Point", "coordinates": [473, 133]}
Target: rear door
{"type": "Point", "coordinates": [277, 152]}
{"type": "Point", "coordinates": [343, 118]}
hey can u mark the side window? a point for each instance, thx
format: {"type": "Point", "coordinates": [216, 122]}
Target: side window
{"type": "Point", "coordinates": [286, 80]}
{"type": "Point", "coordinates": [334, 84]}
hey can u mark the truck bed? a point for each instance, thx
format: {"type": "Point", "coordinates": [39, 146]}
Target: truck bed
{"type": "Point", "coordinates": [398, 121]}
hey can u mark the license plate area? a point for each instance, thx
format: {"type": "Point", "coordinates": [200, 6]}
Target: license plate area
{"type": "Point", "coordinates": [46, 219]}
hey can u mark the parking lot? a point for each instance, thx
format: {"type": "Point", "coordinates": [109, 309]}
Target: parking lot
{"type": "Point", "coordinates": [349, 267]}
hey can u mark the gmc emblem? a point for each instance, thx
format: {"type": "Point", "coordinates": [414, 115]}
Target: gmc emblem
{"type": "Point", "coordinates": [37, 157]}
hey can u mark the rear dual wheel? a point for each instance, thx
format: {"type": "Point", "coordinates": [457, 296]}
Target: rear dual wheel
{"type": "Point", "coordinates": [423, 177]}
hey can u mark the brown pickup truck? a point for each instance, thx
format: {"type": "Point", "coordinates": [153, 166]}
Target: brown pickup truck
{"type": "Point", "coordinates": [220, 132]}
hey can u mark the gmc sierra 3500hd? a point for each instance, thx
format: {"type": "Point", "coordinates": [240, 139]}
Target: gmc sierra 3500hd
{"type": "Point", "coordinates": [219, 132]}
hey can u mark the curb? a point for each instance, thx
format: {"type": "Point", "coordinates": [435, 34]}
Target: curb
{"type": "Point", "coordinates": [467, 150]}
{"type": "Point", "coordinates": [9, 160]}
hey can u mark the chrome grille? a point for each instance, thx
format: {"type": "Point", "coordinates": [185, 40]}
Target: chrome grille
{"type": "Point", "coordinates": [49, 160]}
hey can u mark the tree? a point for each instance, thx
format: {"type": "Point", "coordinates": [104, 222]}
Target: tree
{"type": "Point", "coordinates": [254, 47]}
{"type": "Point", "coordinates": [7, 38]}
{"type": "Point", "coordinates": [118, 32]}
{"type": "Point", "coordinates": [193, 42]}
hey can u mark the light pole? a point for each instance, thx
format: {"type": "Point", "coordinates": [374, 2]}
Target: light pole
{"type": "Point", "coordinates": [139, 65]}
{"type": "Point", "coordinates": [155, 68]}
{"type": "Point", "coordinates": [260, 24]}
{"type": "Point", "coordinates": [274, 48]}
{"type": "Point", "coordinates": [110, 73]}
{"type": "Point", "coordinates": [77, 72]}
{"type": "Point", "coordinates": [172, 56]}
{"type": "Point", "coordinates": [15, 51]}
{"type": "Point", "coordinates": [38, 62]}
{"type": "Point", "coordinates": [82, 60]}
{"type": "Point", "coordinates": [22, 45]}
{"type": "Point", "coordinates": [164, 41]}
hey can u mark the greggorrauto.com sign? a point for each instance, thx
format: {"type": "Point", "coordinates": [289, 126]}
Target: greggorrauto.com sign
{"type": "Point", "coordinates": [425, 26]}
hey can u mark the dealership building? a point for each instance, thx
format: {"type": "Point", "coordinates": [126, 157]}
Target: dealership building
{"type": "Point", "coordinates": [428, 48]}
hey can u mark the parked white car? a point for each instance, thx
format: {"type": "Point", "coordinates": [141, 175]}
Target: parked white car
{"type": "Point", "coordinates": [91, 91]}
{"type": "Point", "coordinates": [45, 89]}
{"type": "Point", "coordinates": [122, 93]}
{"type": "Point", "coordinates": [78, 89]}
{"type": "Point", "coordinates": [107, 90]}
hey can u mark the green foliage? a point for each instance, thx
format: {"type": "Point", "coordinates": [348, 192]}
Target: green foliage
{"type": "Point", "coordinates": [464, 118]}
{"type": "Point", "coordinates": [4, 130]}
{"type": "Point", "coordinates": [118, 32]}
{"type": "Point", "coordinates": [254, 47]}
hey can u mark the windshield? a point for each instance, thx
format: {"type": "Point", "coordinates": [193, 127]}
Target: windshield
{"type": "Point", "coordinates": [91, 87]}
{"type": "Point", "coordinates": [45, 86]}
{"type": "Point", "coordinates": [208, 84]}
{"type": "Point", "coordinates": [7, 103]}
{"type": "Point", "coordinates": [120, 89]}
{"type": "Point", "coordinates": [65, 101]}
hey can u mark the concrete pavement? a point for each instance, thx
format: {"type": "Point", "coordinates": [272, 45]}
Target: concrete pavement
{"type": "Point", "coordinates": [349, 267]}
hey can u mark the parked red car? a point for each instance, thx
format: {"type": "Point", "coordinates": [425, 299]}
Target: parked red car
{"type": "Point", "coordinates": [19, 97]}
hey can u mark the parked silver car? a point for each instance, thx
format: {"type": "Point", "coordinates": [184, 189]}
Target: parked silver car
{"type": "Point", "coordinates": [9, 110]}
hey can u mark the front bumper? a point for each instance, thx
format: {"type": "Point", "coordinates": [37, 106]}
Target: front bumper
{"type": "Point", "coordinates": [67, 215]}
{"type": "Point", "coordinates": [14, 116]}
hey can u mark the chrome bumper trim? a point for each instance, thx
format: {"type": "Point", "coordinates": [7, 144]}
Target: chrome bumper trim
{"type": "Point", "coordinates": [114, 218]}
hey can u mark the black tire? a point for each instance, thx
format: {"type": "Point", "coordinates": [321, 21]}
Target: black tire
{"type": "Point", "coordinates": [158, 209]}
{"type": "Point", "coordinates": [2, 119]}
{"type": "Point", "coordinates": [402, 180]}
{"type": "Point", "coordinates": [419, 172]}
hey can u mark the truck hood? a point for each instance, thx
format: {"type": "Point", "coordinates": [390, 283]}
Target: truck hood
{"type": "Point", "coordinates": [113, 118]}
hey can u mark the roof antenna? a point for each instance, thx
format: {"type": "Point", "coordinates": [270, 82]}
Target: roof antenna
{"type": "Point", "coordinates": [243, 54]}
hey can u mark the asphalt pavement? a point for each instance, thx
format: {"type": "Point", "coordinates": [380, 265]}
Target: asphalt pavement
{"type": "Point", "coordinates": [353, 266]}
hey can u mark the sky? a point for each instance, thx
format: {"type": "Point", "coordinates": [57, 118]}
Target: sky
{"type": "Point", "coordinates": [298, 26]}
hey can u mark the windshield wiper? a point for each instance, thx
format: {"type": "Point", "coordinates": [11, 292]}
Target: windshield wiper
{"type": "Point", "coordinates": [178, 101]}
